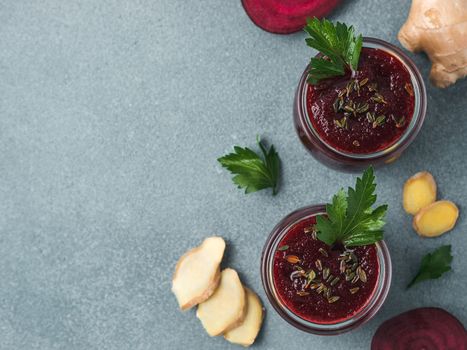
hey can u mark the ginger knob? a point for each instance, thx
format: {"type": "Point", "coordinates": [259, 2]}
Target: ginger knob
{"type": "Point", "coordinates": [438, 27]}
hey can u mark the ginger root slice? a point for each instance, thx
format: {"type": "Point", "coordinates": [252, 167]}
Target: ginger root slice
{"type": "Point", "coordinates": [246, 333]}
{"type": "Point", "coordinates": [419, 191]}
{"type": "Point", "coordinates": [438, 27]}
{"type": "Point", "coordinates": [436, 219]}
{"type": "Point", "coordinates": [197, 273]}
{"type": "Point", "coordinates": [225, 309]}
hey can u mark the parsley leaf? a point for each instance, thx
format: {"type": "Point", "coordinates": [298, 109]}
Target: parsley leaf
{"type": "Point", "coordinates": [338, 45]}
{"type": "Point", "coordinates": [349, 219]}
{"type": "Point", "coordinates": [252, 172]}
{"type": "Point", "coordinates": [433, 265]}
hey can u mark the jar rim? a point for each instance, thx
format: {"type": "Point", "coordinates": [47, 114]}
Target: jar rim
{"type": "Point", "coordinates": [417, 118]}
{"type": "Point", "coordinates": [362, 316]}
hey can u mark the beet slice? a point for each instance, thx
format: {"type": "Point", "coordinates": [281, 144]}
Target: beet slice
{"type": "Point", "coordinates": [286, 16]}
{"type": "Point", "coordinates": [425, 328]}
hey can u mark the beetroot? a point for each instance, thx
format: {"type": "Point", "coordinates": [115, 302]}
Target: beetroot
{"type": "Point", "coordinates": [286, 16]}
{"type": "Point", "coordinates": [421, 329]}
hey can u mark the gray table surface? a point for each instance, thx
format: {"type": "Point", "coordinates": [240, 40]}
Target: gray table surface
{"type": "Point", "coordinates": [112, 115]}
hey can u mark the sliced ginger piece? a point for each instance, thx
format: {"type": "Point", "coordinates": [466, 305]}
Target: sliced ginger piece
{"type": "Point", "coordinates": [246, 333]}
{"type": "Point", "coordinates": [197, 273]}
{"type": "Point", "coordinates": [436, 219]}
{"type": "Point", "coordinates": [419, 191]}
{"type": "Point", "coordinates": [225, 309]}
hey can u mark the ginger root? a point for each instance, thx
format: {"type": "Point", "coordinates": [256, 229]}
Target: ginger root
{"type": "Point", "coordinates": [436, 219]}
{"type": "Point", "coordinates": [419, 191]}
{"type": "Point", "coordinates": [439, 27]}
{"type": "Point", "coordinates": [197, 273]}
{"type": "Point", "coordinates": [246, 333]}
{"type": "Point", "coordinates": [225, 309]}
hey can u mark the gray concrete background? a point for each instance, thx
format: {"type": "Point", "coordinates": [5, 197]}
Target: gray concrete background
{"type": "Point", "coordinates": [112, 115]}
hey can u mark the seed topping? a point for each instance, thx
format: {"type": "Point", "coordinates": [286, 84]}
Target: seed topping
{"type": "Point", "coordinates": [293, 259]}
{"type": "Point", "coordinates": [322, 280]}
{"type": "Point", "coordinates": [408, 87]}
{"type": "Point", "coordinates": [334, 281]}
{"type": "Point", "coordinates": [361, 274]}
{"type": "Point", "coordinates": [323, 252]}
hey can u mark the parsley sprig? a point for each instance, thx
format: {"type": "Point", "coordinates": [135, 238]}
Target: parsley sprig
{"type": "Point", "coordinates": [433, 265]}
{"type": "Point", "coordinates": [338, 45]}
{"type": "Point", "coordinates": [252, 172]}
{"type": "Point", "coordinates": [350, 219]}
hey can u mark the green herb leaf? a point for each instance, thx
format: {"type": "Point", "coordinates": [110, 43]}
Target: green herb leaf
{"type": "Point", "coordinates": [252, 172]}
{"type": "Point", "coordinates": [433, 265]}
{"type": "Point", "coordinates": [349, 219]}
{"type": "Point", "coordinates": [339, 46]}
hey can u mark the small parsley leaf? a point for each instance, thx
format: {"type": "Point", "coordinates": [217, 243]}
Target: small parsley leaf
{"type": "Point", "coordinates": [433, 265]}
{"type": "Point", "coordinates": [350, 219]}
{"type": "Point", "coordinates": [338, 45]}
{"type": "Point", "coordinates": [251, 171]}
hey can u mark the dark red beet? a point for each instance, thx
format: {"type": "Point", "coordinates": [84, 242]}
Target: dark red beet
{"type": "Point", "coordinates": [286, 16]}
{"type": "Point", "coordinates": [421, 329]}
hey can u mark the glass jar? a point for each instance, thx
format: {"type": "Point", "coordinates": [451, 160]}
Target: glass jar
{"type": "Point", "coordinates": [267, 275]}
{"type": "Point", "coordinates": [345, 161]}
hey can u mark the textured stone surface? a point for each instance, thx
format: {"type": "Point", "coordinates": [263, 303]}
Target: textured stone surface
{"type": "Point", "coordinates": [112, 115]}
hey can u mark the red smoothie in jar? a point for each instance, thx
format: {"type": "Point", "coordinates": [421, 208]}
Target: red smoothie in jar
{"type": "Point", "coordinates": [367, 111]}
{"type": "Point", "coordinates": [322, 284]}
